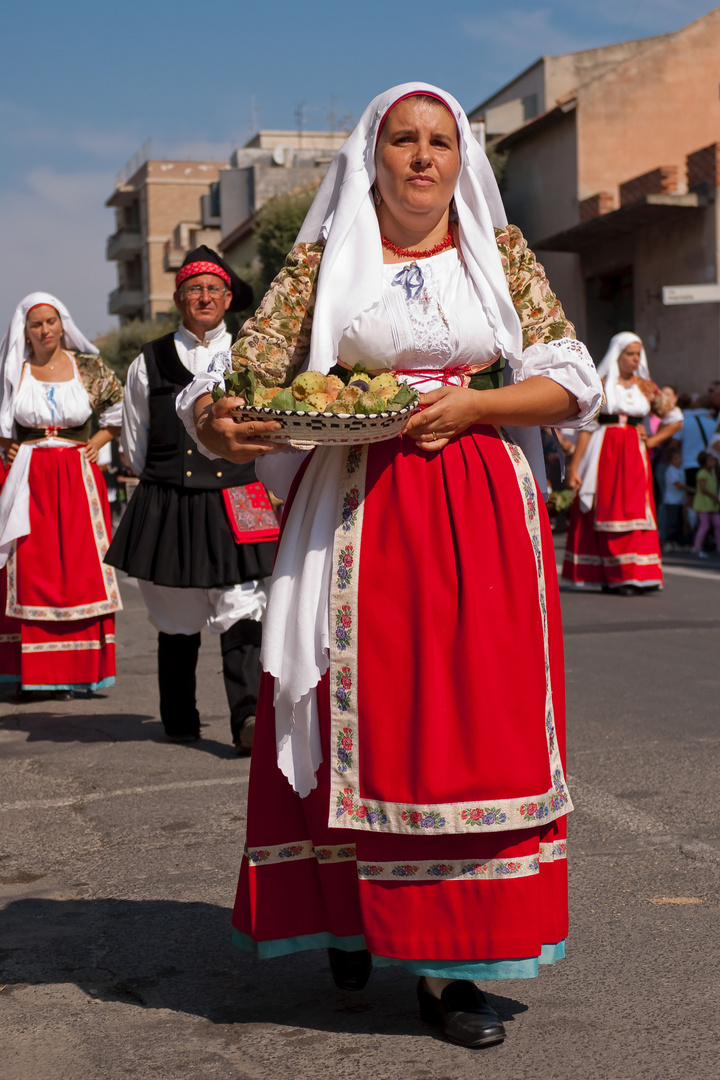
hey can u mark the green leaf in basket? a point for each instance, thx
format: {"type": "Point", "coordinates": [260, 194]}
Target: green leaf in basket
{"type": "Point", "coordinates": [404, 397]}
{"type": "Point", "coordinates": [236, 384]}
{"type": "Point", "coordinates": [283, 400]}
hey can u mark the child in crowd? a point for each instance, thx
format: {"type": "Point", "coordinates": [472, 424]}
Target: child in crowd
{"type": "Point", "coordinates": [674, 500]}
{"type": "Point", "coordinates": [706, 503]}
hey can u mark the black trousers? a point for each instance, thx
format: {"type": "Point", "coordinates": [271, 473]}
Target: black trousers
{"type": "Point", "coordinates": [177, 663]}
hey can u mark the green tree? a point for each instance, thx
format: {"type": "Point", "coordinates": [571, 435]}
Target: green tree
{"type": "Point", "coordinates": [120, 347]}
{"type": "Point", "coordinates": [278, 223]}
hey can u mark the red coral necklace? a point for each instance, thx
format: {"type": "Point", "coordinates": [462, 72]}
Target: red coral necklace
{"type": "Point", "coordinates": [408, 253]}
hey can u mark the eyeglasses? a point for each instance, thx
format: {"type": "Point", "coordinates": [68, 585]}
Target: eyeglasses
{"type": "Point", "coordinates": [198, 290]}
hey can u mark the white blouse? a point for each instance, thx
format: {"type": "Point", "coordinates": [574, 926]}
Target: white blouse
{"type": "Point", "coordinates": [430, 316]}
{"type": "Point", "coordinates": [629, 400]}
{"type": "Point", "coordinates": [427, 318]}
{"type": "Point", "coordinates": [51, 404]}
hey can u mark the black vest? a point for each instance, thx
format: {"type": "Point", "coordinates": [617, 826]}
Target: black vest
{"type": "Point", "coordinates": [172, 456]}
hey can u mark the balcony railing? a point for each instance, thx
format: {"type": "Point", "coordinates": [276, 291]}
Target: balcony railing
{"type": "Point", "coordinates": [126, 241]}
{"type": "Point", "coordinates": [126, 302]}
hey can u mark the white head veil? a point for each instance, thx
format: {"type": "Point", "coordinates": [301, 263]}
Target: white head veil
{"type": "Point", "coordinates": [609, 371]}
{"type": "Point", "coordinates": [14, 351]}
{"type": "Point", "coordinates": [342, 213]}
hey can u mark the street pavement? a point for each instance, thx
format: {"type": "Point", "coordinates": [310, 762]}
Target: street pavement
{"type": "Point", "coordinates": [119, 855]}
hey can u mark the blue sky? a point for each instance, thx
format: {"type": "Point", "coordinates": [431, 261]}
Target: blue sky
{"type": "Point", "coordinates": [83, 84]}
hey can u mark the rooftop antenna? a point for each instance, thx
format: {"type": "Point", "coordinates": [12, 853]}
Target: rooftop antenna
{"type": "Point", "coordinates": [331, 114]}
{"type": "Point", "coordinates": [254, 116]}
{"type": "Point", "coordinates": [300, 121]}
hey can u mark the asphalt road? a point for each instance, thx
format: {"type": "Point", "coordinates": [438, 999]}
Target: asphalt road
{"type": "Point", "coordinates": [119, 855]}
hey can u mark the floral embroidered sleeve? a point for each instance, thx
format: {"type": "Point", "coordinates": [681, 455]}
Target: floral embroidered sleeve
{"type": "Point", "coordinates": [539, 310]}
{"type": "Point", "coordinates": [101, 383]}
{"type": "Point", "coordinates": [276, 339]}
{"type": "Point", "coordinates": [550, 348]}
{"type": "Point", "coordinates": [658, 404]}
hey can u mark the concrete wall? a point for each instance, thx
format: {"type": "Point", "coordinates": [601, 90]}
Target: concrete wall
{"type": "Point", "coordinates": [564, 74]}
{"type": "Point", "coordinates": [528, 82]}
{"type": "Point", "coordinates": [682, 342]}
{"type": "Point", "coordinates": [540, 180]}
{"type": "Point", "coordinates": [651, 110]}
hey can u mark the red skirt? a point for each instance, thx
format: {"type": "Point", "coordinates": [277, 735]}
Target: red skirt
{"type": "Point", "coordinates": [435, 835]}
{"type": "Point", "coordinates": [57, 598]}
{"type": "Point", "coordinates": [616, 542]}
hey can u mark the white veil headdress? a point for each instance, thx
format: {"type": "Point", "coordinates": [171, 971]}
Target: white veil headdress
{"type": "Point", "coordinates": [609, 371]}
{"type": "Point", "coordinates": [14, 351]}
{"type": "Point", "coordinates": [343, 214]}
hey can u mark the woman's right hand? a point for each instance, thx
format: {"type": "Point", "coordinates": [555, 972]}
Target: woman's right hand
{"type": "Point", "coordinates": [11, 452]}
{"type": "Point", "coordinates": [219, 430]}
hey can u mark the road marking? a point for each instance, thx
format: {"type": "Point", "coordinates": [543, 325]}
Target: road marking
{"type": "Point", "coordinates": [97, 796]}
{"type": "Point", "coordinates": [635, 627]}
{"type": "Point", "coordinates": [686, 571]}
{"type": "Point", "coordinates": [678, 571]}
{"type": "Point", "coordinates": [617, 812]}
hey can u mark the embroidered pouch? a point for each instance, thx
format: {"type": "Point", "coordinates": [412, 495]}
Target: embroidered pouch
{"type": "Point", "coordinates": [250, 513]}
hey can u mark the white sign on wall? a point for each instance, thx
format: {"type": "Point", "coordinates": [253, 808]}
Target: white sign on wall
{"type": "Point", "coordinates": [691, 294]}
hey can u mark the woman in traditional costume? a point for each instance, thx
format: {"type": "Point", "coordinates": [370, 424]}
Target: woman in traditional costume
{"type": "Point", "coordinates": [57, 599]}
{"type": "Point", "coordinates": [407, 791]}
{"type": "Point", "coordinates": [612, 536]}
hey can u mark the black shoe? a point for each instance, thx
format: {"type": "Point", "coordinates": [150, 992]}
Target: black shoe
{"type": "Point", "coordinates": [350, 970]}
{"type": "Point", "coordinates": [462, 1014]}
{"type": "Point", "coordinates": [188, 737]}
{"type": "Point", "coordinates": [63, 695]}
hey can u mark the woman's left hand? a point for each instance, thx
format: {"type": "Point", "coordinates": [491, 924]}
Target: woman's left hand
{"type": "Point", "coordinates": [446, 413]}
{"type": "Point", "coordinates": [90, 449]}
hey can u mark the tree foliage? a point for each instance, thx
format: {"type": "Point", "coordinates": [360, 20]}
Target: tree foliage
{"type": "Point", "coordinates": [498, 161]}
{"type": "Point", "coordinates": [120, 347]}
{"type": "Point", "coordinates": [278, 223]}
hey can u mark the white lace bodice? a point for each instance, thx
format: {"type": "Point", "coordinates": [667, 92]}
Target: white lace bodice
{"type": "Point", "coordinates": [429, 317]}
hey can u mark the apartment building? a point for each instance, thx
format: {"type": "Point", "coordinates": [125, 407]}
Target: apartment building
{"type": "Point", "coordinates": [611, 169]}
{"type": "Point", "coordinates": [161, 208]}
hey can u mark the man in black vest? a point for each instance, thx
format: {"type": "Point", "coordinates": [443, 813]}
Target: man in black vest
{"type": "Point", "coordinates": [179, 536]}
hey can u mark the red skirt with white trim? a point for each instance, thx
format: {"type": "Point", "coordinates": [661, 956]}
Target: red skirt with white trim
{"type": "Point", "coordinates": [57, 598]}
{"type": "Point", "coordinates": [436, 832]}
{"type": "Point", "coordinates": [616, 542]}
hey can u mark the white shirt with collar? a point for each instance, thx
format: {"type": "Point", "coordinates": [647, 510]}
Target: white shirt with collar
{"type": "Point", "coordinates": [195, 354]}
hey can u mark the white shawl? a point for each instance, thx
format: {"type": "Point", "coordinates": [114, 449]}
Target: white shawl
{"type": "Point", "coordinates": [342, 213]}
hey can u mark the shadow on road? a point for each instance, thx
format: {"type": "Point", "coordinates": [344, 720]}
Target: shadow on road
{"type": "Point", "coordinates": [68, 727]}
{"type": "Point", "coordinates": [163, 954]}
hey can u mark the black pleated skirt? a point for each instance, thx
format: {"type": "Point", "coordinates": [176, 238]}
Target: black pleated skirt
{"type": "Point", "coordinates": [181, 538]}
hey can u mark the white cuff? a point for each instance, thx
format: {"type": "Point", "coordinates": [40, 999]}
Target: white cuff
{"type": "Point", "coordinates": [185, 405]}
{"type": "Point", "coordinates": [111, 417]}
{"type": "Point", "coordinates": [568, 363]}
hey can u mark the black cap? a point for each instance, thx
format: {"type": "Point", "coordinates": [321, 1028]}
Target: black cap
{"type": "Point", "coordinates": [242, 294]}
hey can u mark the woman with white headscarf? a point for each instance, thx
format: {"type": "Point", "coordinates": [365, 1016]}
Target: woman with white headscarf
{"type": "Point", "coordinates": [57, 599]}
{"type": "Point", "coordinates": [407, 793]}
{"type": "Point", "coordinates": [612, 536]}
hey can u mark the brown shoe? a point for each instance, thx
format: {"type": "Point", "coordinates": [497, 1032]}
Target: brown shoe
{"type": "Point", "coordinates": [244, 741]}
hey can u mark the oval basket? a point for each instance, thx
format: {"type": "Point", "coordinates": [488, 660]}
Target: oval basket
{"type": "Point", "coordinates": [306, 429]}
